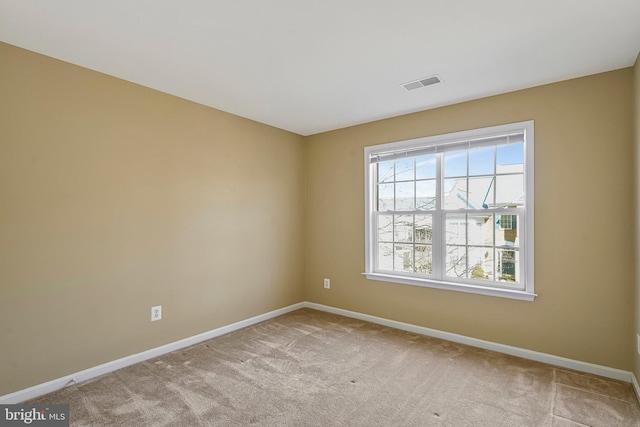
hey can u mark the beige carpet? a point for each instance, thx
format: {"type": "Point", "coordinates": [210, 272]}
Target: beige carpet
{"type": "Point", "coordinates": [310, 368]}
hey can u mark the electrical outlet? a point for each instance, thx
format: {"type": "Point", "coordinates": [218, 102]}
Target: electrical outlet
{"type": "Point", "coordinates": [638, 341]}
{"type": "Point", "coordinates": [327, 284]}
{"type": "Point", "coordinates": [156, 313]}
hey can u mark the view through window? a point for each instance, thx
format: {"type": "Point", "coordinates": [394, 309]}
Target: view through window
{"type": "Point", "coordinates": [453, 211]}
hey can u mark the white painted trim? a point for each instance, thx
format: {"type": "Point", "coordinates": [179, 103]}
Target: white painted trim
{"type": "Point", "coordinates": [438, 145]}
{"type": "Point", "coordinates": [105, 368]}
{"type": "Point", "coordinates": [577, 365]}
{"type": "Point", "coordinates": [636, 386]}
{"type": "Point", "coordinates": [452, 286]}
{"type": "Point", "coordinates": [87, 374]}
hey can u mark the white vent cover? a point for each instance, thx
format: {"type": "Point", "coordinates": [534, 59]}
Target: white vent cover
{"type": "Point", "coordinates": [423, 82]}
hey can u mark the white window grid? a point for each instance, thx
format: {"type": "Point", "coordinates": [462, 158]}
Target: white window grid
{"type": "Point", "coordinates": [521, 287]}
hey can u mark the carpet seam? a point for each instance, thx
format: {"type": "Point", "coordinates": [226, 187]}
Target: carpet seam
{"type": "Point", "coordinates": [593, 392]}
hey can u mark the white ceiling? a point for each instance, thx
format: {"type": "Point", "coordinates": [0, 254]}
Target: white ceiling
{"type": "Point", "coordinates": [309, 66]}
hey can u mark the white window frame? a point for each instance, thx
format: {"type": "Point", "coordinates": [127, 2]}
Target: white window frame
{"type": "Point", "coordinates": [524, 290]}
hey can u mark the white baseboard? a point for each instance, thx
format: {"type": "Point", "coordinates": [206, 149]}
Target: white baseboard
{"type": "Point", "coordinates": [87, 374]}
{"type": "Point", "coordinates": [636, 386]}
{"type": "Point", "coordinates": [603, 371]}
{"type": "Point", "coordinates": [105, 368]}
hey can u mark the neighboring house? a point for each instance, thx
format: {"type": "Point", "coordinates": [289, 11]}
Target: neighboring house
{"type": "Point", "coordinates": [471, 239]}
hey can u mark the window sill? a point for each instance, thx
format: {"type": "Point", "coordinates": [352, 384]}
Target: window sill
{"type": "Point", "coordinates": [473, 289]}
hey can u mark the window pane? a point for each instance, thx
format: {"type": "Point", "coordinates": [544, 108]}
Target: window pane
{"type": "Point", "coordinates": [510, 158]}
{"type": "Point", "coordinates": [385, 256]}
{"type": "Point", "coordinates": [385, 171]}
{"type": "Point", "coordinates": [385, 197]}
{"type": "Point", "coordinates": [510, 190]}
{"type": "Point", "coordinates": [385, 228]}
{"type": "Point", "coordinates": [480, 230]}
{"type": "Point", "coordinates": [404, 169]}
{"type": "Point", "coordinates": [403, 228]}
{"type": "Point", "coordinates": [405, 196]}
{"type": "Point", "coordinates": [455, 193]}
{"type": "Point", "coordinates": [424, 259]}
{"type": "Point", "coordinates": [403, 258]}
{"type": "Point", "coordinates": [456, 229]}
{"type": "Point", "coordinates": [481, 192]}
{"type": "Point", "coordinates": [458, 200]}
{"type": "Point", "coordinates": [480, 263]}
{"type": "Point", "coordinates": [481, 161]}
{"type": "Point", "coordinates": [423, 228]}
{"type": "Point", "coordinates": [507, 265]}
{"type": "Point", "coordinates": [507, 230]}
{"type": "Point", "coordinates": [455, 163]}
{"type": "Point", "coordinates": [456, 261]}
{"type": "Point", "coordinates": [426, 166]}
{"type": "Point", "coordinates": [426, 195]}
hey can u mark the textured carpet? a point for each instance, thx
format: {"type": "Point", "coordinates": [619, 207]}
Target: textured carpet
{"type": "Point", "coordinates": [310, 368]}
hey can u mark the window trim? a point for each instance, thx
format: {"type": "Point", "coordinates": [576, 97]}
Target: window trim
{"type": "Point", "coordinates": [451, 139]}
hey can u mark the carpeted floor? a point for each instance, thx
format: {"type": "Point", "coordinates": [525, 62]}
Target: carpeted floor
{"type": "Point", "coordinates": [310, 368]}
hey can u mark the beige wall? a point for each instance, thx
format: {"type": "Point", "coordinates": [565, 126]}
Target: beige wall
{"type": "Point", "coordinates": [636, 116]}
{"type": "Point", "coordinates": [584, 201]}
{"type": "Point", "coordinates": [115, 198]}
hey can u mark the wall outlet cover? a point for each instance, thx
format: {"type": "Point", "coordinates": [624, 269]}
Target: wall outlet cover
{"type": "Point", "coordinates": [156, 313]}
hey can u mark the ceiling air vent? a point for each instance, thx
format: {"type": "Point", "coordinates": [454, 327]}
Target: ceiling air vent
{"type": "Point", "coordinates": [426, 81]}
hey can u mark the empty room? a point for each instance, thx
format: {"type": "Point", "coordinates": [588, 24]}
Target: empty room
{"type": "Point", "coordinates": [336, 213]}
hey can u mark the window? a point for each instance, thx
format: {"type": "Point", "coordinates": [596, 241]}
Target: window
{"type": "Point", "coordinates": [453, 211]}
{"type": "Point", "coordinates": [506, 222]}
